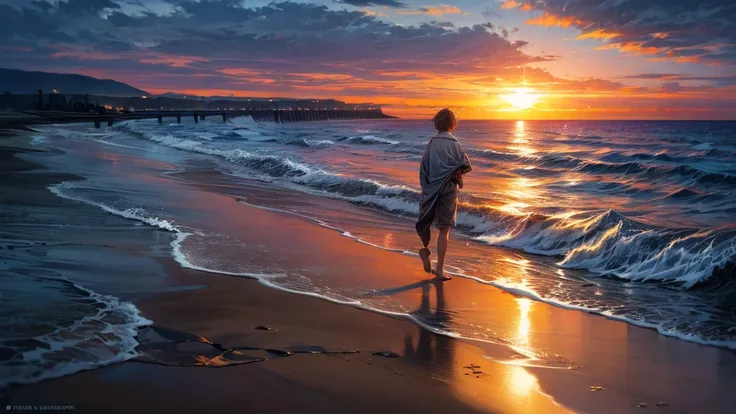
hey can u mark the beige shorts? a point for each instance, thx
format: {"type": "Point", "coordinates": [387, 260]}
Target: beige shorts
{"type": "Point", "coordinates": [446, 206]}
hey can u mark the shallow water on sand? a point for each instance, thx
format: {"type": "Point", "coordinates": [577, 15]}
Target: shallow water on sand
{"type": "Point", "coordinates": [627, 219]}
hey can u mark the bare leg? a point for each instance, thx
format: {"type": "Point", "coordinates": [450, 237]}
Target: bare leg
{"type": "Point", "coordinates": [442, 241]}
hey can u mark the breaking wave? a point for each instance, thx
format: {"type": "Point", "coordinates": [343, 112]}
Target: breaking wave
{"type": "Point", "coordinates": [603, 242]}
{"type": "Point", "coordinates": [685, 174]}
{"type": "Point", "coordinates": [369, 140]}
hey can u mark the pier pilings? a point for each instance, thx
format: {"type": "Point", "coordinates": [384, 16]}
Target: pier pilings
{"type": "Point", "coordinates": [280, 116]}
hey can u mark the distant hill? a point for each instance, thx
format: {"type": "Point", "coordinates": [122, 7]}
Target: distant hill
{"type": "Point", "coordinates": [175, 95]}
{"type": "Point", "coordinates": [24, 82]}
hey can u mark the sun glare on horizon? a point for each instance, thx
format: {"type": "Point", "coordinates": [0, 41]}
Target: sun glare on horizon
{"type": "Point", "coordinates": [521, 98]}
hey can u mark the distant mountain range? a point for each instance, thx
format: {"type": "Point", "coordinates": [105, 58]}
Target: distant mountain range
{"type": "Point", "coordinates": [24, 82]}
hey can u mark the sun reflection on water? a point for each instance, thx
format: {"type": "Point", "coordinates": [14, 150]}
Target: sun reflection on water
{"type": "Point", "coordinates": [522, 333]}
{"type": "Point", "coordinates": [521, 382]}
{"type": "Point", "coordinates": [521, 194]}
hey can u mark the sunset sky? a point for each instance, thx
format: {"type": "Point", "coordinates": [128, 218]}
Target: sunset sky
{"type": "Point", "coordinates": [564, 59]}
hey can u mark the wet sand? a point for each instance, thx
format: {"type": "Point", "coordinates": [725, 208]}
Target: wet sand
{"type": "Point", "coordinates": [332, 366]}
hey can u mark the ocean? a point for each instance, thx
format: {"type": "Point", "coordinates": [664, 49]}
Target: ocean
{"type": "Point", "coordinates": [627, 219]}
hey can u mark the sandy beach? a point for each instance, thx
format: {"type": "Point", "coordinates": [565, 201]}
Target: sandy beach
{"type": "Point", "coordinates": [206, 352]}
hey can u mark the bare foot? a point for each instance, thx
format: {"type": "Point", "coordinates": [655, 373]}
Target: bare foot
{"type": "Point", "coordinates": [441, 276]}
{"type": "Point", "coordinates": [424, 254]}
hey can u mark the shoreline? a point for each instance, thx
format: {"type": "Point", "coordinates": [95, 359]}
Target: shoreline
{"type": "Point", "coordinates": [392, 377]}
{"type": "Point", "coordinates": [223, 311]}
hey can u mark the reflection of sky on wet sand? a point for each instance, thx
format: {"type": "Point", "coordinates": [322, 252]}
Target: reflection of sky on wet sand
{"type": "Point", "coordinates": [473, 378]}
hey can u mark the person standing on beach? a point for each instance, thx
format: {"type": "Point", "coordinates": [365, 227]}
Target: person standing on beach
{"type": "Point", "coordinates": [440, 175]}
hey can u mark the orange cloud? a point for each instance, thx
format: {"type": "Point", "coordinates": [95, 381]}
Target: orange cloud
{"type": "Point", "coordinates": [320, 88]}
{"type": "Point", "coordinates": [173, 61]}
{"type": "Point", "coordinates": [636, 48]}
{"type": "Point", "coordinates": [598, 34]}
{"type": "Point", "coordinates": [373, 13]}
{"type": "Point", "coordinates": [334, 77]}
{"type": "Point", "coordinates": [526, 7]}
{"type": "Point", "coordinates": [549, 20]}
{"type": "Point", "coordinates": [405, 74]}
{"type": "Point", "coordinates": [440, 10]}
{"type": "Point", "coordinates": [671, 56]}
{"type": "Point", "coordinates": [240, 72]}
{"type": "Point", "coordinates": [510, 4]}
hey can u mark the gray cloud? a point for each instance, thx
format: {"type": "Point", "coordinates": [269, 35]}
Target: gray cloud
{"type": "Point", "coordinates": [279, 41]}
{"type": "Point", "coordinates": [685, 30]}
{"type": "Point", "coordinates": [84, 6]}
{"type": "Point", "coordinates": [364, 3]}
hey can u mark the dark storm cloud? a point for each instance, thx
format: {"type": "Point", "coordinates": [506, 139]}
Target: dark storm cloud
{"type": "Point", "coordinates": [684, 30]}
{"type": "Point", "coordinates": [364, 3]}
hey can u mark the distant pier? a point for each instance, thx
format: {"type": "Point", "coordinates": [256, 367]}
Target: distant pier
{"type": "Point", "coordinates": [55, 107]}
{"type": "Point", "coordinates": [279, 116]}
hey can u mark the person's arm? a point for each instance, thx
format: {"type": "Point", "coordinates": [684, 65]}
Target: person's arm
{"type": "Point", "coordinates": [467, 166]}
{"type": "Point", "coordinates": [459, 178]}
{"type": "Point", "coordinates": [424, 168]}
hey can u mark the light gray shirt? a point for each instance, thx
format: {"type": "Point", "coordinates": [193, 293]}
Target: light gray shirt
{"type": "Point", "coordinates": [442, 157]}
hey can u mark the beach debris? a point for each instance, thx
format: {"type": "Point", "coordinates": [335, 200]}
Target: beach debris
{"type": "Point", "coordinates": [387, 354]}
{"type": "Point", "coordinates": [276, 352]}
{"type": "Point", "coordinates": [477, 372]}
{"type": "Point", "coordinates": [399, 373]}
{"type": "Point", "coordinates": [164, 346]}
{"type": "Point", "coordinates": [472, 366]}
{"type": "Point", "coordinates": [264, 328]}
{"type": "Point", "coordinates": [642, 405]}
{"type": "Point", "coordinates": [662, 404]}
{"type": "Point", "coordinates": [588, 284]}
{"type": "Point", "coordinates": [596, 388]}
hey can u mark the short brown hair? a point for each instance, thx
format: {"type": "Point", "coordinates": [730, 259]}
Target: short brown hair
{"type": "Point", "coordinates": [445, 120]}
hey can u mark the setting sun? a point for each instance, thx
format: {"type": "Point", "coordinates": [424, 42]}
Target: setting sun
{"type": "Point", "coordinates": [521, 98]}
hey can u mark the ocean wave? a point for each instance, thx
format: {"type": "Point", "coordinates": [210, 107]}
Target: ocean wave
{"type": "Point", "coordinates": [270, 165]}
{"type": "Point", "coordinates": [692, 196]}
{"type": "Point", "coordinates": [684, 173]}
{"type": "Point", "coordinates": [682, 194]}
{"type": "Point", "coordinates": [611, 244]}
{"type": "Point", "coordinates": [369, 140]}
{"type": "Point", "coordinates": [605, 242]}
{"type": "Point", "coordinates": [354, 189]}
{"type": "Point", "coordinates": [311, 143]}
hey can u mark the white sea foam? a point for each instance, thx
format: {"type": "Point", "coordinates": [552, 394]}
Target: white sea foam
{"type": "Point", "coordinates": [321, 143]}
{"type": "Point", "coordinates": [38, 139]}
{"type": "Point", "coordinates": [114, 342]}
{"type": "Point", "coordinates": [371, 139]}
